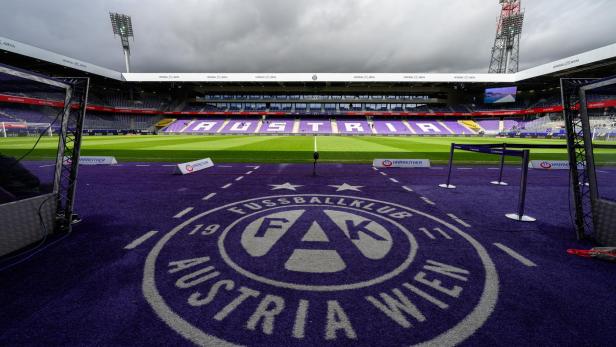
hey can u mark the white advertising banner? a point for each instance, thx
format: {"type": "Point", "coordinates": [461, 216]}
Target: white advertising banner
{"type": "Point", "coordinates": [194, 166]}
{"type": "Point", "coordinates": [550, 165]}
{"type": "Point", "coordinates": [94, 160]}
{"type": "Point", "coordinates": [405, 163]}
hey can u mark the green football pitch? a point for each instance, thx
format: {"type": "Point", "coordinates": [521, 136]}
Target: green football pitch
{"type": "Point", "coordinates": [283, 149]}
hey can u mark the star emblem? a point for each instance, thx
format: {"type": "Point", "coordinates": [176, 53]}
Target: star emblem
{"type": "Point", "coordinates": [345, 186]}
{"type": "Point", "coordinates": [287, 185]}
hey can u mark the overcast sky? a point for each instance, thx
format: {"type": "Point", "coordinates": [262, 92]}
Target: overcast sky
{"type": "Point", "coordinates": [306, 35]}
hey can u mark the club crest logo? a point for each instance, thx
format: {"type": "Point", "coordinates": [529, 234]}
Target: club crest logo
{"type": "Point", "coordinates": [319, 269]}
{"type": "Point", "coordinates": [387, 163]}
{"type": "Point", "coordinates": [546, 165]}
{"type": "Point", "coordinates": [189, 168]}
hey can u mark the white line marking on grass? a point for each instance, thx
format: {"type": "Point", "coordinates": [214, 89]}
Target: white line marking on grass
{"type": "Point", "coordinates": [47, 165]}
{"type": "Point", "coordinates": [493, 168]}
{"type": "Point", "coordinates": [375, 169]}
{"type": "Point", "coordinates": [141, 239]}
{"type": "Point", "coordinates": [465, 168]}
{"type": "Point", "coordinates": [226, 185]}
{"type": "Point", "coordinates": [515, 255]}
{"type": "Point", "coordinates": [257, 167]}
{"type": "Point", "coordinates": [437, 168]}
{"type": "Point", "coordinates": [183, 212]}
{"type": "Point", "coordinates": [454, 217]}
{"type": "Point", "coordinates": [144, 165]}
{"type": "Point", "coordinates": [315, 144]}
{"type": "Point", "coordinates": [407, 188]}
{"type": "Point", "coordinates": [248, 173]}
{"type": "Point", "coordinates": [225, 166]}
{"type": "Point", "coordinates": [394, 180]}
{"type": "Point", "coordinates": [428, 234]}
{"type": "Point", "coordinates": [445, 235]}
{"type": "Point", "coordinates": [427, 201]}
{"type": "Point", "coordinates": [239, 178]}
{"type": "Point", "coordinates": [209, 196]}
{"type": "Point", "coordinates": [383, 173]}
{"type": "Point", "coordinates": [169, 165]}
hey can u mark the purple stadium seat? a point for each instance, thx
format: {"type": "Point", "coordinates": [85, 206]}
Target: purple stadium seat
{"type": "Point", "coordinates": [277, 126]}
{"type": "Point", "coordinates": [457, 128]}
{"type": "Point", "coordinates": [177, 126]}
{"type": "Point", "coordinates": [489, 125]}
{"type": "Point", "coordinates": [390, 127]}
{"type": "Point", "coordinates": [238, 126]}
{"type": "Point", "coordinates": [209, 126]}
{"type": "Point", "coordinates": [353, 127]}
{"type": "Point", "coordinates": [315, 126]}
{"type": "Point", "coordinates": [428, 127]}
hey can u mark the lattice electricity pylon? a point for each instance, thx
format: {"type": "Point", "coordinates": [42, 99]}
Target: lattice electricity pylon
{"type": "Point", "coordinates": [576, 133]}
{"type": "Point", "coordinates": [70, 140]}
{"type": "Point", "coordinates": [506, 49]}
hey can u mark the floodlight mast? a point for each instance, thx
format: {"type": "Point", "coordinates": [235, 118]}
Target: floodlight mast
{"type": "Point", "coordinates": [506, 49]}
{"type": "Point", "coordinates": [123, 27]}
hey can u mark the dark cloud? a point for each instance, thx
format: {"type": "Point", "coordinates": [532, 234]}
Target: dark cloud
{"type": "Point", "coordinates": [306, 35]}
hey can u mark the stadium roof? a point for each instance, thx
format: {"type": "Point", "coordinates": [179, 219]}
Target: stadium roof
{"type": "Point", "coordinates": [603, 58]}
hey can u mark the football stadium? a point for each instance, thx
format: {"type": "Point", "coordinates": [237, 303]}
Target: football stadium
{"type": "Point", "coordinates": [305, 207]}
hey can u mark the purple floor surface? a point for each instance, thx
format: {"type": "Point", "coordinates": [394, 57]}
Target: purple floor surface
{"type": "Point", "coordinates": [269, 255]}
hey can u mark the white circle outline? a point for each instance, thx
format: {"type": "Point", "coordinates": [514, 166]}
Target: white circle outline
{"type": "Point", "coordinates": [320, 288]}
{"type": "Point", "coordinates": [458, 333]}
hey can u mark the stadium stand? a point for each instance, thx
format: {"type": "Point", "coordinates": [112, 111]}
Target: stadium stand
{"type": "Point", "coordinates": [101, 121]}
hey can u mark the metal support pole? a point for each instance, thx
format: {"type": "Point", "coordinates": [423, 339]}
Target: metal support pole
{"type": "Point", "coordinates": [127, 59]}
{"type": "Point", "coordinates": [448, 185]}
{"type": "Point", "coordinates": [500, 182]}
{"type": "Point", "coordinates": [523, 181]}
{"type": "Point", "coordinates": [315, 156]}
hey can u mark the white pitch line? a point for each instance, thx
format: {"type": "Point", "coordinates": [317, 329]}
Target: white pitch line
{"type": "Point", "coordinates": [515, 255]}
{"type": "Point", "coordinates": [248, 173]}
{"type": "Point", "coordinates": [239, 178]}
{"type": "Point", "coordinates": [428, 234]}
{"type": "Point", "coordinates": [224, 165]}
{"type": "Point", "coordinates": [209, 196]}
{"type": "Point", "coordinates": [454, 217]}
{"type": "Point", "coordinates": [383, 173]}
{"type": "Point", "coordinates": [47, 165]}
{"type": "Point", "coordinates": [436, 168]}
{"type": "Point", "coordinates": [375, 169]}
{"type": "Point", "coordinates": [141, 239]}
{"type": "Point", "coordinates": [315, 144]}
{"type": "Point", "coordinates": [183, 212]}
{"type": "Point", "coordinates": [427, 201]}
{"type": "Point", "coordinates": [143, 165]}
{"type": "Point", "coordinates": [394, 180]}
{"type": "Point", "coordinates": [407, 188]}
{"type": "Point", "coordinates": [169, 165]}
{"type": "Point", "coordinates": [493, 168]}
{"type": "Point", "coordinates": [445, 235]}
{"type": "Point", "coordinates": [226, 186]}
{"type": "Point", "coordinates": [465, 168]}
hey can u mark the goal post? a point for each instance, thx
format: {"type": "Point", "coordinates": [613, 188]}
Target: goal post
{"type": "Point", "coordinates": [595, 206]}
{"type": "Point", "coordinates": [29, 212]}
